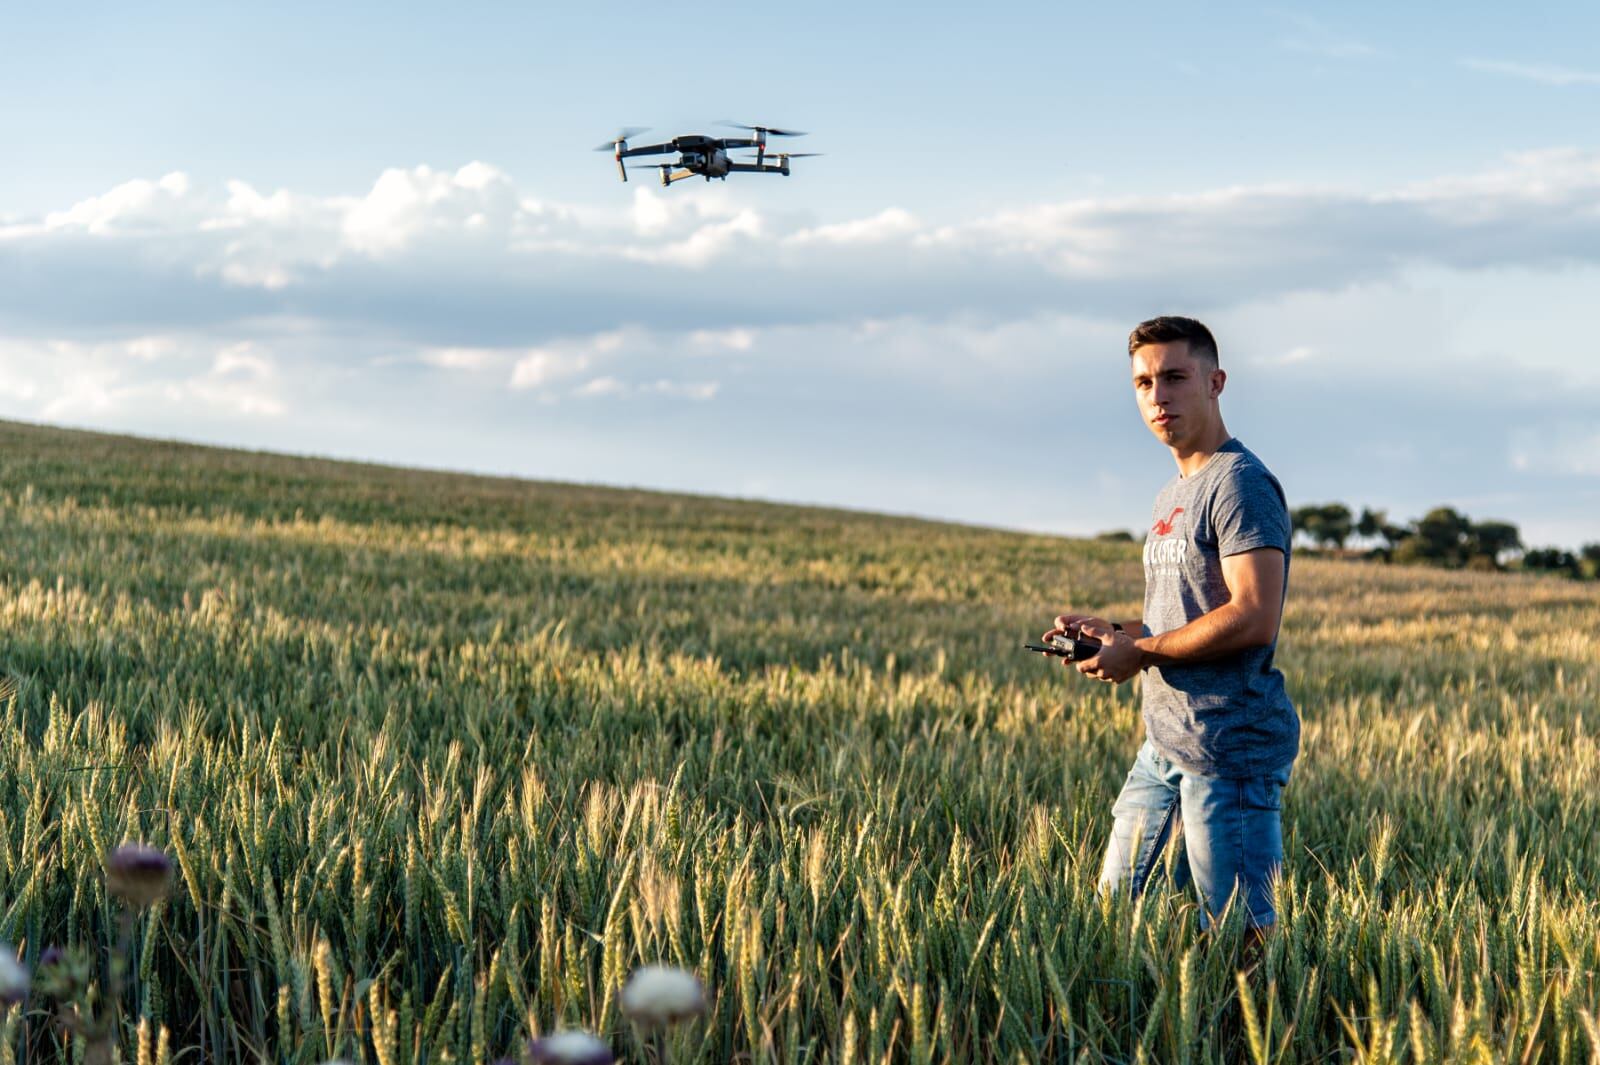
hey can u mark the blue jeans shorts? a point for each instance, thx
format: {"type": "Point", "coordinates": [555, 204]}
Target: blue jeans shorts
{"type": "Point", "coordinates": [1231, 838]}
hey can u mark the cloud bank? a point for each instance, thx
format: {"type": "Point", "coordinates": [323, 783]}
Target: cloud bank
{"type": "Point", "coordinates": [467, 258]}
{"type": "Point", "coordinates": [690, 339]}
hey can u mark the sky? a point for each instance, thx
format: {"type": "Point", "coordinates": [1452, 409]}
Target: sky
{"type": "Point", "coordinates": [381, 232]}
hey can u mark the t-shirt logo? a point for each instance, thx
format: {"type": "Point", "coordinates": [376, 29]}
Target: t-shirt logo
{"type": "Point", "coordinates": [1163, 526]}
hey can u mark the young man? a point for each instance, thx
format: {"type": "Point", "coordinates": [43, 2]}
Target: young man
{"type": "Point", "coordinates": [1221, 733]}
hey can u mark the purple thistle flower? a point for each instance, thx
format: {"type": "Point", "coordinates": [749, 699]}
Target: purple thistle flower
{"type": "Point", "coordinates": [138, 874]}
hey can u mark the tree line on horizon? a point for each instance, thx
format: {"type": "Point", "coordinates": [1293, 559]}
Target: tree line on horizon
{"type": "Point", "coordinates": [1441, 537]}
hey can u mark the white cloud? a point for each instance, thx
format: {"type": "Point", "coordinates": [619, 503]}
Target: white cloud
{"type": "Point", "coordinates": [1563, 447]}
{"type": "Point", "coordinates": [465, 259]}
{"type": "Point", "coordinates": [151, 348]}
{"type": "Point", "coordinates": [542, 366]}
{"type": "Point", "coordinates": [72, 380]}
{"type": "Point", "coordinates": [710, 241]}
{"type": "Point", "coordinates": [462, 358]}
{"type": "Point", "coordinates": [1543, 73]}
{"type": "Point", "coordinates": [1315, 37]}
{"type": "Point", "coordinates": [1300, 353]}
{"type": "Point", "coordinates": [600, 386]}
{"type": "Point", "coordinates": [725, 339]}
{"type": "Point", "coordinates": [699, 390]}
{"type": "Point", "coordinates": [406, 205]}
{"type": "Point", "coordinates": [631, 356]}
{"type": "Point", "coordinates": [127, 207]}
{"type": "Point", "coordinates": [656, 213]}
{"type": "Point", "coordinates": [243, 360]}
{"type": "Point", "coordinates": [887, 224]}
{"type": "Point", "coordinates": [612, 386]}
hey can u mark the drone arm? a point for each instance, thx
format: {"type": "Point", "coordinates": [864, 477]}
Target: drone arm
{"type": "Point", "coordinates": [648, 149]}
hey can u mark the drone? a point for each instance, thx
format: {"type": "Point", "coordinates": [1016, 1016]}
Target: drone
{"type": "Point", "coordinates": [706, 156]}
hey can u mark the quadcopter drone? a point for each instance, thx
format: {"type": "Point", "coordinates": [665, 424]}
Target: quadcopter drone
{"type": "Point", "coordinates": [706, 156]}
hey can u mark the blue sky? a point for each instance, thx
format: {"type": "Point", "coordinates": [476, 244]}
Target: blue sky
{"type": "Point", "coordinates": [381, 234]}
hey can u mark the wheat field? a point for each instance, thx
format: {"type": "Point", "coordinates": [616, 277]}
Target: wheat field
{"type": "Point", "coordinates": [441, 759]}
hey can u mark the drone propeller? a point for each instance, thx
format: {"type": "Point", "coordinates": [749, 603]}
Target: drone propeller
{"type": "Point", "coordinates": [783, 155]}
{"type": "Point", "coordinates": [625, 134]}
{"type": "Point", "coordinates": [765, 129]}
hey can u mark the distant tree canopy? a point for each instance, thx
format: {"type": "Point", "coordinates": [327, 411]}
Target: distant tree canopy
{"type": "Point", "coordinates": [1328, 524]}
{"type": "Point", "coordinates": [1553, 560]}
{"type": "Point", "coordinates": [1374, 524]}
{"type": "Point", "coordinates": [1492, 539]}
{"type": "Point", "coordinates": [1442, 537]}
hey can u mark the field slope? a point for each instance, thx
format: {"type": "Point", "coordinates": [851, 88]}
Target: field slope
{"type": "Point", "coordinates": [443, 758]}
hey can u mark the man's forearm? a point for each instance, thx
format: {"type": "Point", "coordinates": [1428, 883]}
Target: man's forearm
{"type": "Point", "coordinates": [1223, 631]}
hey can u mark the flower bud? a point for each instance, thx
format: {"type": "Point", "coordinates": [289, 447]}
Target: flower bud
{"type": "Point", "coordinates": [13, 978]}
{"type": "Point", "coordinates": [662, 994]}
{"type": "Point", "coordinates": [62, 973]}
{"type": "Point", "coordinates": [570, 1048]}
{"type": "Point", "coordinates": [138, 875]}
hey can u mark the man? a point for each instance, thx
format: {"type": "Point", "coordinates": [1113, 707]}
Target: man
{"type": "Point", "coordinates": [1221, 733]}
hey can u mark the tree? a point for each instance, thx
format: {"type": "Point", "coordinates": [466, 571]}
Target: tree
{"type": "Point", "coordinates": [1492, 539]}
{"type": "Point", "coordinates": [1300, 518]}
{"type": "Point", "coordinates": [1413, 549]}
{"type": "Point", "coordinates": [1395, 534]}
{"type": "Point", "coordinates": [1327, 524]}
{"type": "Point", "coordinates": [1334, 524]}
{"type": "Point", "coordinates": [1551, 560]}
{"type": "Point", "coordinates": [1591, 560]}
{"type": "Point", "coordinates": [1442, 537]}
{"type": "Point", "coordinates": [1372, 522]}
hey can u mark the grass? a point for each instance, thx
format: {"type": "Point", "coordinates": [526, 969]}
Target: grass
{"type": "Point", "coordinates": [443, 758]}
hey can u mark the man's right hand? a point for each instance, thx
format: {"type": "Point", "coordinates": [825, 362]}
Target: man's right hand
{"type": "Point", "coordinates": [1070, 624]}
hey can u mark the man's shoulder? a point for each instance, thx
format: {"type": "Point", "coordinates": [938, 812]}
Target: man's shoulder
{"type": "Point", "coordinates": [1237, 467]}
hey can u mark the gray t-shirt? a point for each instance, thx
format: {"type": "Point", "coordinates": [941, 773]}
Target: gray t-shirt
{"type": "Point", "coordinates": [1229, 716]}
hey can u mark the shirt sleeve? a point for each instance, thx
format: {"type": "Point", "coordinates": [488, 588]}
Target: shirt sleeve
{"type": "Point", "coordinates": [1250, 512]}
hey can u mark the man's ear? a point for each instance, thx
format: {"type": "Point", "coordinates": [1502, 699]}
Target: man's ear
{"type": "Point", "coordinates": [1219, 377]}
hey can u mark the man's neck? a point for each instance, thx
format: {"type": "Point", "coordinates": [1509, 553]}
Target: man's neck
{"type": "Point", "coordinates": [1194, 456]}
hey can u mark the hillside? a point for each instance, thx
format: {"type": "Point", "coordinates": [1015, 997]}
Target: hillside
{"type": "Point", "coordinates": [474, 748]}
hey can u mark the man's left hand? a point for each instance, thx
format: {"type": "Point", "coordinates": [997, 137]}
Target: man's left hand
{"type": "Point", "coordinates": [1119, 657]}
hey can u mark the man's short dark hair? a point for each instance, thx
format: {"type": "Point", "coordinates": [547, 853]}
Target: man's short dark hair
{"type": "Point", "coordinates": [1170, 327]}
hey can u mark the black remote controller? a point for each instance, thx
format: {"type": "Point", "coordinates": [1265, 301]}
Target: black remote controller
{"type": "Point", "coordinates": [1073, 650]}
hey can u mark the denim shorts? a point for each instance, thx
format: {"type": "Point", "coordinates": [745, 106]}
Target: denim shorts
{"type": "Point", "coordinates": [1231, 835]}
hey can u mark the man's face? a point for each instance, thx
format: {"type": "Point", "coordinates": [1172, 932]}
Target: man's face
{"type": "Point", "coordinates": [1176, 391]}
